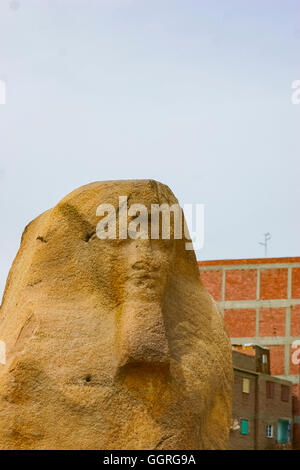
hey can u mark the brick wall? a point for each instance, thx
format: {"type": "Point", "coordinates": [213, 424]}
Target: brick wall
{"type": "Point", "coordinates": [243, 408]}
{"type": "Point", "coordinates": [257, 407]}
{"type": "Point", "coordinates": [270, 409]}
{"type": "Point", "coordinates": [260, 301]}
{"type": "Point", "coordinates": [244, 361]}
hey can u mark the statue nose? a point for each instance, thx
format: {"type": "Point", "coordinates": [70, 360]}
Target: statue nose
{"type": "Point", "coordinates": [141, 336]}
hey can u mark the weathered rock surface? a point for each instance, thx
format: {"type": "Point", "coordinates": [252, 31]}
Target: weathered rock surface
{"type": "Point", "coordinates": [111, 344]}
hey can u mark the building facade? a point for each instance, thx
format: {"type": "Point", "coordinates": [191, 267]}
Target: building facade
{"type": "Point", "coordinates": [260, 301]}
{"type": "Point", "coordinates": [261, 405]}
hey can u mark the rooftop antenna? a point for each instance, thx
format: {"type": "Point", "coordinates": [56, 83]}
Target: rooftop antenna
{"type": "Point", "coordinates": [265, 243]}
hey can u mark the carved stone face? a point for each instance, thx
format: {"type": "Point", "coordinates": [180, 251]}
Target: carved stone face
{"type": "Point", "coordinates": [111, 344]}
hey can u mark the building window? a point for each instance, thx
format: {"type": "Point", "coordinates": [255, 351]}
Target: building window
{"type": "Point", "coordinates": [246, 386]}
{"type": "Point", "coordinates": [283, 431]}
{"type": "Point", "coordinates": [244, 426]}
{"type": "Point", "coordinates": [285, 392]}
{"type": "Point", "coordinates": [269, 430]}
{"type": "Point", "coordinates": [270, 387]}
{"type": "Point", "coordinates": [264, 359]}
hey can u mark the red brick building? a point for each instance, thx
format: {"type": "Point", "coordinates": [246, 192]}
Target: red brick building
{"type": "Point", "coordinates": [261, 405]}
{"type": "Point", "coordinates": [260, 301]}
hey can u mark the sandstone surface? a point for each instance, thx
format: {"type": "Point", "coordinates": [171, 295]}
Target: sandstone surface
{"type": "Point", "coordinates": [110, 344]}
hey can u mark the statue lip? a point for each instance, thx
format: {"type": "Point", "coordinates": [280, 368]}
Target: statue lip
{"type": "Point", "coordinates": [145, 266]}
{"type": "Point", "coordinates": [146, 275]}
{"type": "Point", "coordinates": [146, 278]}
{"type": "Point", "coordinates": [142, 271]}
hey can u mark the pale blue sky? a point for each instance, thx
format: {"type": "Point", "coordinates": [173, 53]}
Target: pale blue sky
{"type": "Point", "coordinates": [195, 94]}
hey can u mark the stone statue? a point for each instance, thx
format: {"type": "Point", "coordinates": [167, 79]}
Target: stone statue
{"type": "Point", "coordinates": [110, 343]}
